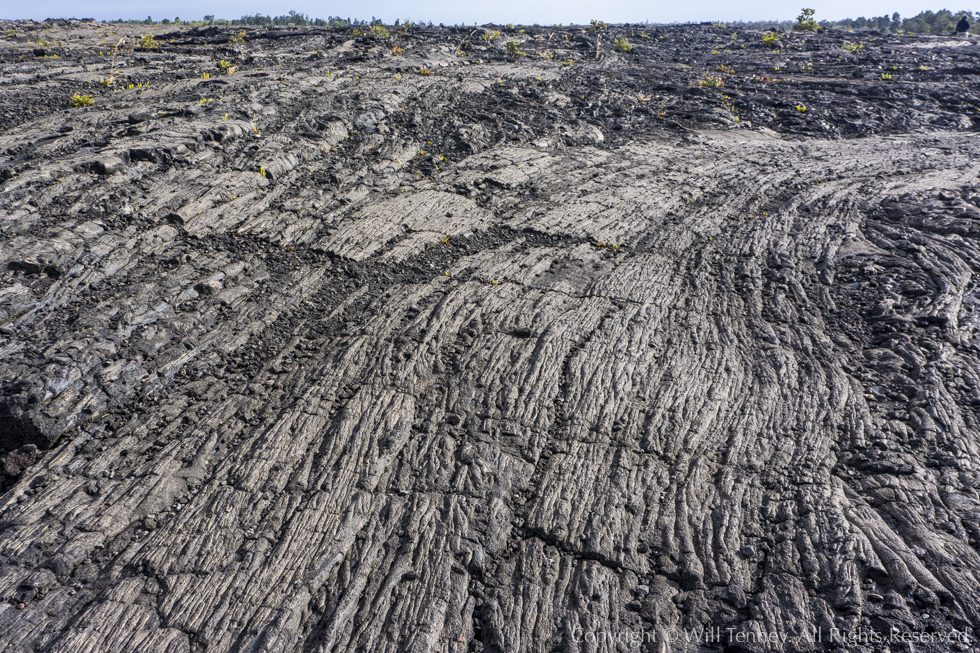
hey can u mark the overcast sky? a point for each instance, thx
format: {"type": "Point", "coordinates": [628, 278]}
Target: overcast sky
{"type": "Point", "coordinates": [545, 12]}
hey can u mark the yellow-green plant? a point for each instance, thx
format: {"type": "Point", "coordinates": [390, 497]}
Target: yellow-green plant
{"type": "Point", "coordinates": [205, 75]}
{"type": "Point", "coordinates": [43, 42]}
{"type": "Point", "coordinates": [771, 39]}
{"type": "Point", "coordinates": [223, 63]}
{"type": "Point", "coordinates": [597, 25]}
{"type": "Point", "coordinates": [805, 21]}
{"type": "Point", "coordinates": [238, 38]}
{"type": "Point", "coordinates": [379, 31]}
{"type": "Point", "coordinates": [397, 50]}
{"type": "Point", "coordinates": [852, 46]}
{"type": "Point", "coordinates": [513, 46]}
{"type": "Point", "coordinates": [622, 44]}
{"type": "Point", "coordinates": [489, 35]}
{"type": "Point", "coordinates": [80, 100]}
{"type": "Point", "coordinates": [800, 108]}
{"type": "Point", "coordinates": [711, 81]}
{"type": "Point", "coordinates": [147, 41]}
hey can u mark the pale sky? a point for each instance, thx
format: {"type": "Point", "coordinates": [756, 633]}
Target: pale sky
{"type": "Point", "coordinates": [545, 12]}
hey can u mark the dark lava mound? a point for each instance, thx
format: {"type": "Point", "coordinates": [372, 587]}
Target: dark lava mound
{"type": "Point", "coordinates": [495, 344]}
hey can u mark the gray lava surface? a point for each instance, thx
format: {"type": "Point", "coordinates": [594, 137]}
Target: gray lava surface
{"type": "Point", "coordinates": [309, 344]}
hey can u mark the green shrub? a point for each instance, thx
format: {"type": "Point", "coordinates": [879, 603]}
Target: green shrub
{"type": "Point", "coordinates": [771, 39]}
{"type": "Point", "coordinates": [80, 100]}
{"type": "Point", "coordinates": [622, 44]}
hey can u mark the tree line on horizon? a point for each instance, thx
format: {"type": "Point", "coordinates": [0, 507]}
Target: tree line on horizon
{"type": "Point", "coordinates": [926, 22]}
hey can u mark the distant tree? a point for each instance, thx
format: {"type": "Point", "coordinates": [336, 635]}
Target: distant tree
{"type": "Point", "coordinates": [805, 21]}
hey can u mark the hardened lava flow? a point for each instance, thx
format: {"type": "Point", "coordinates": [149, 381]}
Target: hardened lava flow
{"type": "Point", "coordinates": [309, 342]}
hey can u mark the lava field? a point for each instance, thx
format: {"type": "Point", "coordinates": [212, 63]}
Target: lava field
{"type": "Point", "coordinates": [646, 338]}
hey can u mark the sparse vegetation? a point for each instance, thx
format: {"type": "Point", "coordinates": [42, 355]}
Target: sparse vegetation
{"type": "Point", "coordinates": [147, 42]}
{"type": "Point", "coordinates": [397, 50]}
{"type": "Point", "coordinates": [805, 21]}
{"type": "Point", "coordinates": [513, 46]}
{"type": "Point", "coordinates": [711, 81]}
{"type": "Point", "coordinates": [490, 35]}
{"type": "Point", "coordinates": [622, 44]}
{"type": "Point", "coordinates": [238, 38]}
{"type": "Point", "coordinates": [771, 39]}
{"type": "Point", "coordinates": [379, 31]}
{"type": "Point", "coordinates": [111, 79]}
{"type": "Point", "coordinates": [852, 46]}
{"type": "Point", "coordinates": [598, 25]}
{"type": "Point", "coordinates": [800, 108]}
{"type": "Point", "coordinates": [78, 100]}
{"type": "Point", "coordinates": [424, 70]}
{"type": "Point", "coordinates": [205, 75]}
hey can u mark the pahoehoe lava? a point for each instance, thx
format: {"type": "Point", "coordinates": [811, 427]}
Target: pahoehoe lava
{"type": "Point", "coordinates": [479, 347]}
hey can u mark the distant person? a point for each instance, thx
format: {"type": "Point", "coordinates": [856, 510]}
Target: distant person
{"type": "Point", "coordinates": [963, 27]}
